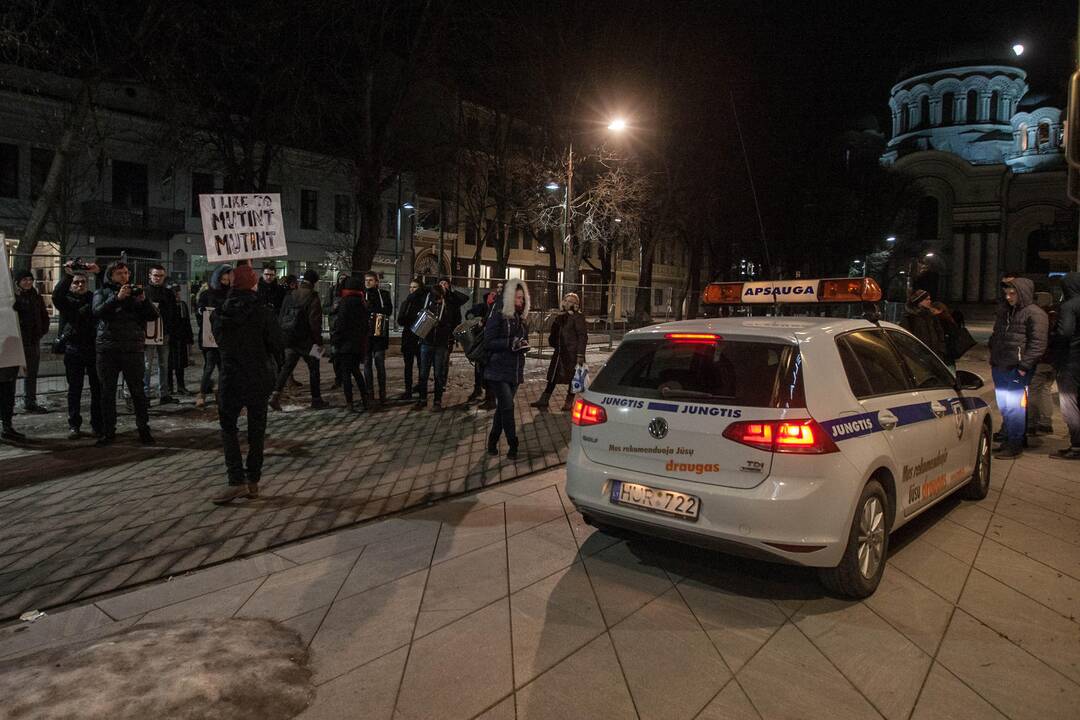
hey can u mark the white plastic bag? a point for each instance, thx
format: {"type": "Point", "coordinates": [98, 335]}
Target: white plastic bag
{"type": "Point", "coordinates": [580, 380]}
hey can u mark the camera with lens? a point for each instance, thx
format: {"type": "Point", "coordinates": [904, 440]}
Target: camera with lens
{"type": "Point", "coordinates": [78, 264]}
{"type": "Point", "coordinates": [136, 290]}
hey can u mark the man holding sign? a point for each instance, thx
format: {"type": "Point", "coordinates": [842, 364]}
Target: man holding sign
{"type": "Point", "coordinates": [122, 312]}
{"type": "Point", "coordinates": [242, 226]}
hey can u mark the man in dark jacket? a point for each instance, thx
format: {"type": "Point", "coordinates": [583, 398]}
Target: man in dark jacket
{"type": "Point", "coordinates": [179, 343]}
{"type": "Point", "coordinates": [270, 291]}
{"type": "Point", "coordinates": [1066, 354]}
{"type": "Point", "coordinates": [435, 348]}
{"type": "Point", "coordinates": [74, 301]}
{"type": "Point", "coordinates": [164, 300]}
{"type": "Point", "coordinates": [349, 338]}
{"type": "Point", "coordinates": [506, 339]}
{"type": "Point", "coordinates": [248, 335]}
{"type": "Point", "coordinates": [301, 328]}
{"type": "Point", "coordinates": [1016, 346]}
{"type": "Point", "coordinates": [410, 344]}
{"type": "Point", "coordinates": [921, 321]}
{"type": "Point", "coordinates": [482, 310]}
{"type": "Point", "coordinates": [210, 299]}
{"type": "Point", "coordinates": [379, 303]}
{"type": "Point", "coordinates": [33, 324]}
{"type": "Point", "coordinates": [568, 337]}
{"type": "Point", "coordinates": [121, 312]}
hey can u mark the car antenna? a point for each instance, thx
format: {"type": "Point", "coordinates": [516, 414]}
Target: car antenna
{"type": "Point", "coordinates": [871, 314]}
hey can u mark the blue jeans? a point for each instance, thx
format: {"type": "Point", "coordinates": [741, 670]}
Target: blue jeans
{"type": "Point", "coordinates": [1010, 390]}
{"type": "Point", "coordinates": [439, 357]}
{"type": "Point", "coordinates": [503, 420]}
{"type": "Point", "coordinates": [161, 354]}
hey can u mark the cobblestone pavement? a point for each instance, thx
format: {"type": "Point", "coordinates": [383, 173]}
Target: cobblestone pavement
{"type": "Point", "coordinates": [77, 521]}
{"type": "Point", "coordinates": [503, 604]}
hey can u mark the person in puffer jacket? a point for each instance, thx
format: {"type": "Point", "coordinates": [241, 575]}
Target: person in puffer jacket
{"type": "Point", "coordinates": [1017, 344]}
{"type": "Point", "coordinates": [506, 339]}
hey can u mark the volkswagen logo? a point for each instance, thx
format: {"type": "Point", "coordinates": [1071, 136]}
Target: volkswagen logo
{"type": "Point", "coordinates": [658, 428]}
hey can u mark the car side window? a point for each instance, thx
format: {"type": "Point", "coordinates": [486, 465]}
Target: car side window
{"type": "Point", "coordinates": [926, 368]}
{"type": "Point", "coordinates": [871, 364]}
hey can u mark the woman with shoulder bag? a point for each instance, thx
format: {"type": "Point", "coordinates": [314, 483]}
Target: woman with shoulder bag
{"type": "Point", "coordinates": [506, 339]}
{"type": "Point", "coordinates": [568, 337]}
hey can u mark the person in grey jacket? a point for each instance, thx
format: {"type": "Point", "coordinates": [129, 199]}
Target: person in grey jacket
{"type": "Point", "coordinates": [1066, 354]}
{"type": "Point", "coordinates": [1018, 342]}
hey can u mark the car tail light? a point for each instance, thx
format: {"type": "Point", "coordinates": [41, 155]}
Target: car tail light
{"type": "Point", "coordinates": [782, 436]}
{"type": "Point", "coordinates": [694, 338]}
{"type": "Point", "coordinates": [586, 413]}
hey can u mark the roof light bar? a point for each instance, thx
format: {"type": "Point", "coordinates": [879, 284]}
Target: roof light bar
{"type": "Point", "coordinates": [694, 338]}
{"type": "Point", "coordinates": [836, 290]}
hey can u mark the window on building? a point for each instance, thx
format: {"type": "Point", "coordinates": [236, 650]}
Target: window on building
{"type": "Point", "coordinates": [129, 184]}
{"type": "Point", "coordinates": [40, 162]}
{"type": "Point", "coordinates": [526, 239]}
{"type": "Point", "coordinates": [201, 184]}
{"type": "Point", "coordinates": [903, 119]}
{"type": "Point", "coordinates": [515, 273]}
{"type": "Point", "coordinates": [1023, 139]}
{"type": "Point", "coordinates": [470, 234]}
{"type": "Point", "coordinates": [995, 106]}
{"type": "Point", "coordinates": [972, 112]}
{"type": "Point", "coordinates": [926, 225]}
{"type": "Point", "coordinates": [909, 122]}
{"type": "Point", "coordinates": [1042, 135]}
{"type": "Point", "coordinates": [491, 233]}
{"type": "Point", "coordinates": [924, 111]}
{"type": "Point", "coordinates": [948, 108]}
{"type": "Point", "coordinates": [309, 209]}
{"type": "Point", "coordinates": [342, 213]}
{"type": "Point", "coordinates": [9, 170]}
{"type": "Point", "coordinates": [513, 241]}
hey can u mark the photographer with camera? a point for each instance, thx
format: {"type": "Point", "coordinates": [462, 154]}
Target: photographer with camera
{"type": "Point", "coordinates": [122, 311]}
{"type": "Point", "coordinates": [75, 339]}
{"type": "Point", "coordinates": [164, 300]}
{"type": "Point", "coordinates": [33, 324]}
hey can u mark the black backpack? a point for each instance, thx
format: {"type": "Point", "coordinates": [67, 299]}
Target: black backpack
{"type": "Point", "coordinates": [294, 318]}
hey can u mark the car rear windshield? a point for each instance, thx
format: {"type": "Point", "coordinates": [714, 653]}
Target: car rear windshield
{"type": "Point", "coordinates": [731, 372]}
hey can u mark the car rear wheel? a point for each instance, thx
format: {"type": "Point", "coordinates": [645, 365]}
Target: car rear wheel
{"type": "Point", "coordinates": [860, 570]}
{"type": "Point", "coordinates": [979, 485]}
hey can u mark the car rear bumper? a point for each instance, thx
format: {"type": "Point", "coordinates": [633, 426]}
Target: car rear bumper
{"type": "Point", "coordinates": [809, 516]}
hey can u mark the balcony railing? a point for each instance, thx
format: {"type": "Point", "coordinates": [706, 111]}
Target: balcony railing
{"type": "Point", "coordinates": [103, 216]}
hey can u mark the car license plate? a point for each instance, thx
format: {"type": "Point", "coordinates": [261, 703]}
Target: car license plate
{"type": "Point", "coordinates": [668, 502]}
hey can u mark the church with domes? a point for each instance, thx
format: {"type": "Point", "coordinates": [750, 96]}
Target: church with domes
{"type": "Point", "coordinates": [985, 154]}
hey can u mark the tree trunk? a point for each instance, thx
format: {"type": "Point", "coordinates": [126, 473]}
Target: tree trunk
{"type": "Point", "coordinates": [643, 294]}
{"type": "Point", "coordinates": [606, 274]}
{"type": "Point", "coordinates": [552, 288]}
{"type": "Point", "coordinates": [694, 260]}
{"type": "Point", "coordinates": [366, 241]}
{"type": "Point", "coordinates": [53, 181]}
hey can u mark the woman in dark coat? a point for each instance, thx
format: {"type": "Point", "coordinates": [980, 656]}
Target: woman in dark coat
{"type": "Point", "coordinates": [506, 339]}
{"type": "Point", "coordinates": [568, 337]}
{"type": "Point", "coordinates": [349, 338]}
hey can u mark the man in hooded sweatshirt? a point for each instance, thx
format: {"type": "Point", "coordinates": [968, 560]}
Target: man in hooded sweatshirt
{"type": "Point", "coordinates": [301, 328]}
{"type": "Point", "coordinates": [1065, 343]}
{"type": "Point", "coordinates": [248, 337]}
{"type": "Point", "coordinates": [1018, 342]}
{"type": "Point", "coordinates": [211, 298]}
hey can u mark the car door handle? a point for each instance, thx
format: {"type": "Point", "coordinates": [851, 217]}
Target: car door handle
{"type": "Point", "coordinates": [887, 420]}
{"type": "Point", "coordinates": [938, 409]}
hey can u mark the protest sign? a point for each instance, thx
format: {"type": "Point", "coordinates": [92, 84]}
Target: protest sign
{"type": "Point", "coordinates": [155, 330]}
{"type": "Point", "coordinates": [208, 339]}
{"type": "Point", "coordinates": [11, 347]}
{"type": "Point", "coordinates": [237, 227]}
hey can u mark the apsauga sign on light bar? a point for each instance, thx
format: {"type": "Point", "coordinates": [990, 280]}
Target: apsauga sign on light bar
{"type": "Point", "coordinates": [790, 291]}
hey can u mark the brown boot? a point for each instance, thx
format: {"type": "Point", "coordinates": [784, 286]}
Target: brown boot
{"type": "Point", "coordinates": [231, 493]}
{"type": "Point", "coordinates": [542, 403]}
{"type": "Point", "coordinates": [252, 490]}
{"type": "Point", "coordinates": [200, 400]}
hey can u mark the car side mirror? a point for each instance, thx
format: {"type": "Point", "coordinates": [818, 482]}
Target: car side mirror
{"type": "Point", "coordinates": [966, 380]}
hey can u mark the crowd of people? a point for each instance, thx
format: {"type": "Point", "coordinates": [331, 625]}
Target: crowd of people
{"type": "Point", "coordinates": [253, 331]}
{"type": "Point", "coordinates": [1035, 343]}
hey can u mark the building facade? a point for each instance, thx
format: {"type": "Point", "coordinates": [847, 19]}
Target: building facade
{"type": "Point", "coordinates": [986, 156]}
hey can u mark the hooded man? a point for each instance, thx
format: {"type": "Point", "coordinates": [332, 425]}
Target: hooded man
{"type": "Point", "coordinates": [568, 338]}
{"type": "Point", "coordinates": [301, 329]}
{"type": "Point", "coordinates": [74, 301]}
{"type": "Point", "coordinates": [211, 298]}
{"type": "Point", "coordinates": [1017, 344]}
{"type": "Point", "coordinates": [248, 337]}
{"type": "Point", "coordinates": [506, 339]}
{"type": "Point", "coordinates": [921, 321]}
{"type": "Point", "coordinates": [122, 311]}
{"type": "Point", "coordinates": [1066, 353]}
{"type": "Point", "coordinates": [33, 324]}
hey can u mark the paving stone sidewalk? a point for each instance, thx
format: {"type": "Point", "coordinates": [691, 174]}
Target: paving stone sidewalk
{"type": "Point", "coordinates": [503, 604]}
{"type": "Point", "coordinates": [77, 521]}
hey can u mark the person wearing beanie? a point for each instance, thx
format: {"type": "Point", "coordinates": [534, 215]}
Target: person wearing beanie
{"type": "Point", "coordinates": [210, 299]}
{"type": "Point", "coordinates": [301, 327]}
{"type": "Point", "coordinates": [567, 338]}
{"type": "Point", "coordinates": [248, 337]}
{"type": "Point", "coordinates": [379, 303]}
{"type": "Point", "coordinates": [349, 338]}
{"type": "Point", "coordinates": [921, 321]}
{"type": "Point", "coordinates": [33, 324]}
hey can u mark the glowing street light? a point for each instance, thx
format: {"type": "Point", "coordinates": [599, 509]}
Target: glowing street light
{"type": "Point", "coordinates": [891, 239]}
{"type": "Point", "coordinates": [929, 254]}
{"type": "Point", "coordinates": [1018, 49]}
{"type": "Point", "coordinates": [552, 185]}
{"type": "Point", "coordinates": [617, 125]}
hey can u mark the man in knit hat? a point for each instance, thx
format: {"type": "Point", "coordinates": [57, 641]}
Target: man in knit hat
{"type": "Point", "coordinates": [567, 338]}
{"type": "Point", "coordinates": [33, 324]}
{"type": "Point", "coordinates": [248, 337]}
{"type": "Point", "coordinates": [301, 328]}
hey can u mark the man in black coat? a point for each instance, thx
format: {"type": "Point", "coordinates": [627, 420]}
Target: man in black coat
{"type": "Point", "coordinates": [164, 300]}
{"type": "Point", "coordinates": [349, 338]}
{"type": "Point", "coordinates": [410, 344]}
{"type": "Point", "coordinates": [179, 343]}
{"type": "Point", "coordinates": [33, 324]}
{"type": "Point", "coordinates": [435, 347]}
{"type": "Point", "coordinates": [73, 300]}
{"type": "Point", "coordinates": [248, 336]}
{"type": "Point", "coordinates": [379, 303]}
{"type": "Point", "coordinates": [122, 312]}
{"type": "Point", "coordinates": [301, 328]}
{"type": "Point", "coordinates": [1065, 345]}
